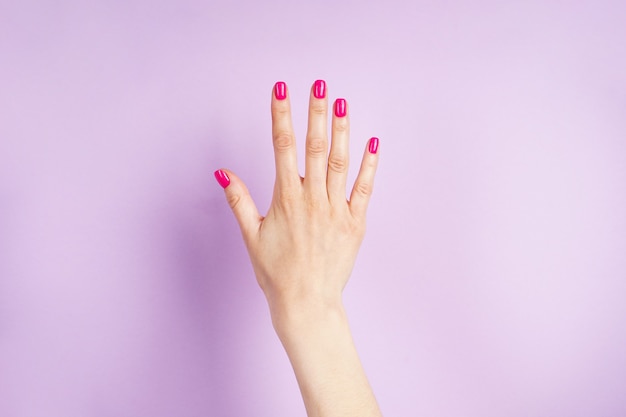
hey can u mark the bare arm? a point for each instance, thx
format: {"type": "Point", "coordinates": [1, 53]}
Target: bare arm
{"type": "Point", "coordinates": [304, 249]}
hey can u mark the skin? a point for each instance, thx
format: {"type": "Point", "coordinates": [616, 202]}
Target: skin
{"type": "Point", "coordinates": [303, 252]}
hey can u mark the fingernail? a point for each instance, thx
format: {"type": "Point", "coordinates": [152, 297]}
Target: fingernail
{"type": "Point", "coordinates": [222, 178]}
{"type": "Point", "coordinates": [319, 89]}
{"type": "Point", "coordinates": [340, 107]}
{"type": "Point", "coordinates": [373, 148]}
{"type": "Point", "coordinates": [280, 90]}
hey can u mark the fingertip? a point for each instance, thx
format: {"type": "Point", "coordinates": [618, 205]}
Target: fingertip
{"type": "Point", "coordinates": [280, 90]}
{"type": "Point", "coordinates": [340, 107]}
{"type": "Point", "coordinates": [319, 89]}
{"type": "Point", "coordinates": [364, 184]}
{"type": "Point", "coordinates": [239, 199]}
{"type": "Point", "coordinates": [222, 178]}
{"type": "Point", "coordinates": [372, 146]}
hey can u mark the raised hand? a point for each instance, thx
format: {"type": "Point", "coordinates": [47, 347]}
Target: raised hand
{"type": "Point", "coordinates": [304, 249]}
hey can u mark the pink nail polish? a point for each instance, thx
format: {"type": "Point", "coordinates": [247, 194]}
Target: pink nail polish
{"type": "Point", "coordinates": [319, 89]}
{"type": "Point", "coordinates": [222, 178]}
{"type": "Point", "coordinates": [373, 148]}
{"type": "Point", "coordinates": [280, 90]}
{"type": "Point", "coordinates": [340, 107]}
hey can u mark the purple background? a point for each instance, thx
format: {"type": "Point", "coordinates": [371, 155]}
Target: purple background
{"type": "Point", "coordinates": [491, 282]}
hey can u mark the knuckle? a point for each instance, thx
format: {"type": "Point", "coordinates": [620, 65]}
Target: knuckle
{"type": "Point", "coordinates": [370, 163]}
{"type": "Point", "coordinates": [316, 147]}
{"type": "Point", "coordinates": [363, 188]}
{"type": "Point", "coordinates": [338, 163]}
{"type": "Point", "coordinates": [287, 197]}
{"type": "Point", "coordinates": [314, 205]}
{"type": "Point", "coordinates": [357, 228]}
{"type": "Point", "coordinates": [283, 141]}
{"type": "Point", "coordinates": [233, 200]}
{"type": "Point", "coordinates": [341, 126]}
{"type": "Point", "coordinates": [353, 227]}
{"type": "Point", "coordinates": [280, 110]}
{"type": "Point", "coordinates": [318, 110]}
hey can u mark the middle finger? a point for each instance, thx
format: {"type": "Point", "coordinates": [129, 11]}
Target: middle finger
{"type": "Point", "coordinates": [316, 153]}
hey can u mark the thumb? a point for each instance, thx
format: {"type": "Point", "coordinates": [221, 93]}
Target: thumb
{"type": "Point", "coordinates": [240, 201]}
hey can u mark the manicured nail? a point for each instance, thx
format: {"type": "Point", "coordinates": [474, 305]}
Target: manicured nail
{"type": "Point", "coordinates": [340, 107]}
{"type": "Point", "coordinates": [373, 148]}
{"type": "Point", "coordinates": [319, 89]}
{"type": "Point", "coordinates": [280, 90]}
{"type": "Point", "coordinates": [222, 178]}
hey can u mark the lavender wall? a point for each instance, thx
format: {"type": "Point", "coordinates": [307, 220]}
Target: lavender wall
{"type": "Point", "coordinates": [492, 280]}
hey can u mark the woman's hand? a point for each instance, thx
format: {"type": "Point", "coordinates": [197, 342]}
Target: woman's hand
{"type": "Point", "coordinates": [304, 249]}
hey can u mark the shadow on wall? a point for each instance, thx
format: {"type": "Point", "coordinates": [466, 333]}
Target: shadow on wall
{"type": "Point", "coordinates": [216, 295]}
{"type": "Point", "coordinates": [205, 297]}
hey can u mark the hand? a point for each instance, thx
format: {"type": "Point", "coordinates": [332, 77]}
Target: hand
{"type": "Point", "coordinates": [304, 249]}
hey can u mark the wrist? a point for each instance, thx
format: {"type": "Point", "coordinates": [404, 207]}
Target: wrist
{"type": "Point", "coordinates": [293, 318]}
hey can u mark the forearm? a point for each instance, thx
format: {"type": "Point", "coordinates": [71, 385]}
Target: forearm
{"type": "Point", "coordinates": [319, 344]}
